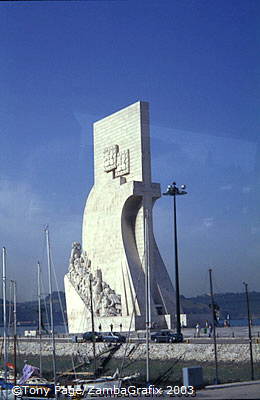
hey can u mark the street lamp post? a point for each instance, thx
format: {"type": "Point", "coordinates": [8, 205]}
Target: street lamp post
{"type": "Point", "coordinates": [173, 190]}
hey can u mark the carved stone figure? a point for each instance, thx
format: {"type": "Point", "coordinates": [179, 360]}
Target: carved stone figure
{"type": "Point", "coordinates": [76, 250]}
{"type": "Point", "coordinates": [105, 301]}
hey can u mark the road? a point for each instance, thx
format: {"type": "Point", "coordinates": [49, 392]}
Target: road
{"type": "Point", "coordinates": [230, 335]}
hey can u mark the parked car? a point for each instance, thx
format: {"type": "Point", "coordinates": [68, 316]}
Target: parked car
{"type": "Point", "coordinates": [113, 337]}
{"type": "Point", "coordinates": [89, 337]}
{"type": "Point", "coordinates": [166, 337]}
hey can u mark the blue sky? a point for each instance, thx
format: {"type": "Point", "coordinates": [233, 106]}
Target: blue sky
{"type": "Point", "coordinates": [67, 64]}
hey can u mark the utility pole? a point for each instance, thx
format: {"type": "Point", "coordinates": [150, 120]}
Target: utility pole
{"type": "Point", "coordinates": [214, 328]}
{"type": "Point", "coordinates": [249, 331]}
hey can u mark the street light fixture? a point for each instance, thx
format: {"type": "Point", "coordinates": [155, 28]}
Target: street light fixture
{"type": "Point", "coordinates": [173, 190]}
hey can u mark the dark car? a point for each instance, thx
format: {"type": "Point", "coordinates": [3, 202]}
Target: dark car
{"type": "Point", "coordinates": [90, 336]}
{"type": "Point", "coordinates": [166, 337]}
{"type": "Point", "coordinates": [113, 337]}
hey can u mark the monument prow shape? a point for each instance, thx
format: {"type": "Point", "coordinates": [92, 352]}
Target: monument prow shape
{"type": "Point", "coordinates": [113, 234]}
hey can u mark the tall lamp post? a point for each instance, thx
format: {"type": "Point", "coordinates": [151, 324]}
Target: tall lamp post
{"type": "Point", "coordinates": [173, 190]}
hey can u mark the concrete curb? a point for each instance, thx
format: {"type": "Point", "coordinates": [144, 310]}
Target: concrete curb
{"type": "Point", "coordinates": [235, 384]}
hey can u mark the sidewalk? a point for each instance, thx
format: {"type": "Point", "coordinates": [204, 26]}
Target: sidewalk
{"type": "Point", "coordinates": [232, 331]}
{"type": "Point", "coordinates": [239, 390]}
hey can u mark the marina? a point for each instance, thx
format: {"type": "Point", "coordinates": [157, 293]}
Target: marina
{"type": "Point", "coordinates": [129, 199]}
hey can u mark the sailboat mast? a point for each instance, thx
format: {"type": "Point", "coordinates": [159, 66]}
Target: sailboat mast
{"type": "Point", "coordinates": [39, 312]}
{"type": "Point", "coordinates": [214, 326]}
{"type": "Point", "coordinates": [4, 317]}
{"type": "Point", "coordinates": [92, 324]}
{"type": "Point", "coordinates": [147, 295]}
{"type": "Point", "coordinates": [51, 307]}
{"type": "Point", "coordinates": [15, 331]}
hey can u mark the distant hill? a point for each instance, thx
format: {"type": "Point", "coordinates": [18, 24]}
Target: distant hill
{"type": "Point", "coordinates": [229, 303]}
{"type": "Point", "coordinates": [28, 311]}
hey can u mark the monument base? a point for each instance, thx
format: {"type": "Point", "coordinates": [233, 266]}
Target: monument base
{"type": "Point", "coordinates": [79, 317]}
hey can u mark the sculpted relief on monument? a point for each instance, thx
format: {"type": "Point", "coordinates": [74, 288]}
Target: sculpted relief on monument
{"type": "Point", "coordinates": [117, 161]}
{"type": "Point", "coordinates": [110, 158]}
{"type": "Point", "coordinates": [105, 301]}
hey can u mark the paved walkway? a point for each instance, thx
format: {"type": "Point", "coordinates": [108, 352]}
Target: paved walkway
{"type": "Point", "coordinates": [232, 331]}
{"type": "Point", "coordinates": [236, 331]}
{"type": "Point", "coordinates": [239, 390]}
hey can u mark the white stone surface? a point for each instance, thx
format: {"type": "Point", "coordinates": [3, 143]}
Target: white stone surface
{"type": "Point", "coordinates": [113, 222]}
{"type": "Point", "coordinates": [192, 351]}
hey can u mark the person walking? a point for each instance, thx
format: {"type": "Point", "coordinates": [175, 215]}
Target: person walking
{"type": "Point", "coordinates": [210, 329]}
{"type": "Point", "coordinates": [111, 327]}
{"type": "Point", "coordinates": [228, 319]}
{"type": "Point", "coordinates": [197, 334]}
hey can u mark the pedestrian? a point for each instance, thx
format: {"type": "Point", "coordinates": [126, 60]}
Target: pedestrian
{"type": "Point", "coordinates": [111, 327]}
{"type": "Point", "coordinates": [100, 328]}
{"type": "Point", "coordinates": [120, 326]}
{"type": "Point", "coordinates": [210, 329]}
{"type": "Point", "coordinates": [206, 327]}
{"type": "Point", "coordinates": [228, 319]}
{"type": "Point", "coordinates": [197, 334]}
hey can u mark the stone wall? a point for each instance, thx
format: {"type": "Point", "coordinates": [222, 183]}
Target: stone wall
{"type": "Point", "coordinates": [184, 351]}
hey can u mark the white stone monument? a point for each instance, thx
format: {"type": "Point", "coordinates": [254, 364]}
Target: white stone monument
{"type": "Point", "coordinates": [113, 235]}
